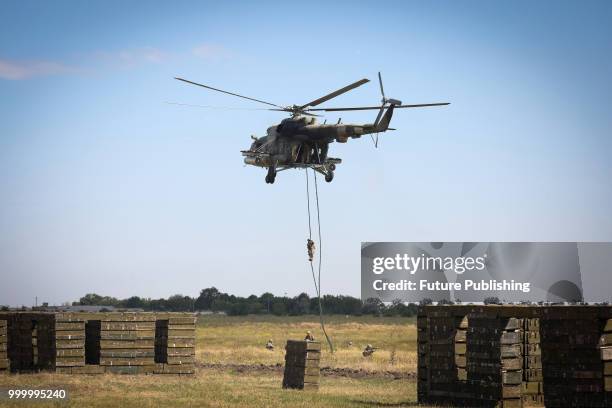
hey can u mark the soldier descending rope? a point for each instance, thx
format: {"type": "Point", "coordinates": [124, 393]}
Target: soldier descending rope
{"type": "Point", "coordinates": [310, 246]}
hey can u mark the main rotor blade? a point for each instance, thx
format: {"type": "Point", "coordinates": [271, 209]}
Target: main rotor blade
{"type": "Point", "coordinates": [215, 107]}
{"type": "Point", "coordinates": [356, 108]}
{"type": "Point", "coordinates": [226, 92]}
{"type": "Point", "coordinates": [336, 93]}
{"type": "Point", "coordinates": [291, 110]}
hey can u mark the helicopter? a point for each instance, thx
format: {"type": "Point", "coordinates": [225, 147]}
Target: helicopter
{"type": "Point", "coordinates": [300, 142]}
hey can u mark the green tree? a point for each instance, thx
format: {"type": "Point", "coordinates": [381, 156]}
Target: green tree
{"type": "Point", "coordinates": [135, 302]}
{"type": "Point", "coordinates": [279, 308]}
{"type": "Point", "coordinates": [373, 306]}
{"type": "Point", "coordinates": [207, 298]}
{"type": "Point", "coordinates": [180, 303]}
{"type": "Point", "coordinates": [266, 300]}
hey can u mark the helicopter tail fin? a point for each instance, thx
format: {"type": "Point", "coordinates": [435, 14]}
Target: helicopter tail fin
{"type": "Point", "coordinates": [383, 124]}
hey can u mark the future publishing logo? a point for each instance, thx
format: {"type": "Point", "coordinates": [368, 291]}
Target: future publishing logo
{"type": "Point", "coordinates": [458, 265]}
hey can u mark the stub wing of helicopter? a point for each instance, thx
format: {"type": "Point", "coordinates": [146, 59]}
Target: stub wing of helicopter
{"type": "Point", "coordinates": [298, 142]}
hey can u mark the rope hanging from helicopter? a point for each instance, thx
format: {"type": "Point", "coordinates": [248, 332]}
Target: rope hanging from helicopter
{"type": "Point", "coordinates": [317, 282]}
{"type": "Point", "coordinates": [313, 132]}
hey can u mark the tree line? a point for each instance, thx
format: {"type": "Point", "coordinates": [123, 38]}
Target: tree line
{"type": "Point", "coordinates": [211, 299]}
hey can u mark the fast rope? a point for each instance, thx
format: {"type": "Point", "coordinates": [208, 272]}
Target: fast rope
{"type": "Point", "coordinates": [317, 284]}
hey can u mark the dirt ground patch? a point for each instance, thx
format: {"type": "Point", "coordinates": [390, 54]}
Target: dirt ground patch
{"type": "Point", "coordinates": [325, 371]}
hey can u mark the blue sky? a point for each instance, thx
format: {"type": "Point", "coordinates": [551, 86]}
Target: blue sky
{"type": "Point", "coordinates": [107, 188]}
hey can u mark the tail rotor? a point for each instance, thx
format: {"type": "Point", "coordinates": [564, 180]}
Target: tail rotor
{"type": "Point", "coordinates": [382, 90]}
{"type": "Point", "coordinates": [390, 103]}
{"type": "Point", "coordinates": [383, 100]}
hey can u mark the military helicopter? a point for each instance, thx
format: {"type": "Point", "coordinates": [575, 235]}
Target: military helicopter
{"type": "Point", "coordinates": [299, 142]}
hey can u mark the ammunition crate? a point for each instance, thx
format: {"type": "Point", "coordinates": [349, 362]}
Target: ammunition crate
{"type": "Point", "coordinates": [515, 355]}
{"type": "Point", "coordinates": [302, 365]}
{"type": "Point", "coordinates": [95, 343]}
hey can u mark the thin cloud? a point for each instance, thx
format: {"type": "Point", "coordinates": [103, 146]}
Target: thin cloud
{"type": "Point", "coordinates": [210, 51]}
{"type": "Point", "coordinates": [100, 60]}
{"type": "Point", "coordinates": [133, 57]}
{"type": "Point", "coordinates": [18, 70]}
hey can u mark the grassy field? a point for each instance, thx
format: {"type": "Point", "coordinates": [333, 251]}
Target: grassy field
{"type": "Point", "coordinates": [241, 340]}
{"type": "Point", "coordinates": [236, 341]}
{"type": "Point", "coordinates": [214, 388]}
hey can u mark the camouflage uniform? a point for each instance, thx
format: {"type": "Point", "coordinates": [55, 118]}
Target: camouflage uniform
{"type": "Point", "coordinates": [310, 246]}
{"type": "Point", "coordinates": [368, 350]}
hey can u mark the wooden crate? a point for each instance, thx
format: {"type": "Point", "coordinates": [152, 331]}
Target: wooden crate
{"type": "Point", "coordinates": [515, 356]}
{"type": "Point", "coordinates": [116, 342]}
{"type": "Point", "coordinates": [302, 365]}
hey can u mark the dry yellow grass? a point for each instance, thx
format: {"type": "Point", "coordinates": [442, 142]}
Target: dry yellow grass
{"type": "Point", "coordinates": [212, 388]}
{"type": "Point", "coordinates": [241, 340]}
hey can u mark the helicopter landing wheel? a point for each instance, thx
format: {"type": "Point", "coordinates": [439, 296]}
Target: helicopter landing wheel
{"type": "Point", "coordinates": [271, 176]}
{"type": "Point", "coordinates": [329, 176]}
{"type": "Point", "coordinates": [331, 167]}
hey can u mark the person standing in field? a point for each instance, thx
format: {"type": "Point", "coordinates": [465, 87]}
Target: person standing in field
{"type": "Point", "coordinates": [270, 345]}
{"type": "Point", "coordinates": [309, 336]}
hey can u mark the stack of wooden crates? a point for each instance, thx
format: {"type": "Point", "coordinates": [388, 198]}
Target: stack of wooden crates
{"type": "Point", "coordinates": [494, 360]}
{"type": "Point", "coordinates": [533, 386]}
{"type": "Point", "coordinates": [572, 368]}
{"type": "Point", "coordinates": [302, 365]}
{"type": "Point", "coordinates": [29, 341]}
{"type": "Point", "coordinates": [606, 356]}
{"type": "Point", "coordinates": [4, 361]}
{"type": "Point", "coordinates": [515, 356]}
{"type": "Point", "coordinates": [95, 343]}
